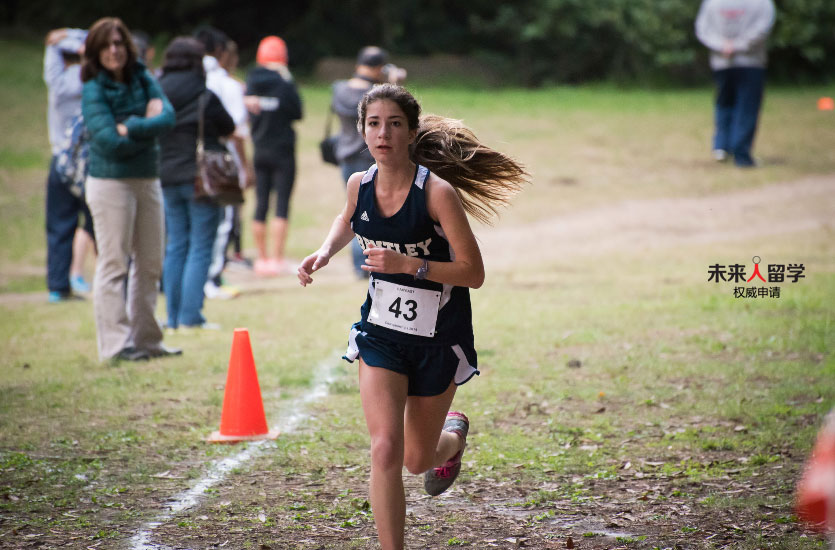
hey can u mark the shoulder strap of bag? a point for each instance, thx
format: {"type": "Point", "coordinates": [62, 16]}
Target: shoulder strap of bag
{"type": "Point", "coordinates": [201, 108]}
{"type": "Point", "coordinates": [328, 122]}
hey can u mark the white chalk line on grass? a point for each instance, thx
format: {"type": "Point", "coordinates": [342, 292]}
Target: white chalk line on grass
{"type": "Point", "coordinates": [322, 379]}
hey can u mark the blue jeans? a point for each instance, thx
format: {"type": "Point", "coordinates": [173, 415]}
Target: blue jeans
{"type": "Point", "coordinates": [739, 93]}
{"type": "Point", "coordinates": [190, 228]}
{"type": "Point", "coordinates": [356, 163]}
{"type": "Point", "coordinates": [62, 209]}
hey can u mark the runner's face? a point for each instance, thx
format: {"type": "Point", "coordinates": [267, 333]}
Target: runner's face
{"type": "Point", "coordinates": [387, 132]}
{"type": "Point", "coordinates": [114, 55]}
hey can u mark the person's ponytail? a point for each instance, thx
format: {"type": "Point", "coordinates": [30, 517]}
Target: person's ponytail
{"type": "Point", "coordinates": [484, 178]}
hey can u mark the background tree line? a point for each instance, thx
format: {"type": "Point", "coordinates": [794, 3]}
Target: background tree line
{"type": "Point", "coordinates": [534, 42]}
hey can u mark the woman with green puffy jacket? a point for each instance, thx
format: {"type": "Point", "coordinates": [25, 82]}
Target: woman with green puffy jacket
{"type": "Point", "coordinates": [125, 112]}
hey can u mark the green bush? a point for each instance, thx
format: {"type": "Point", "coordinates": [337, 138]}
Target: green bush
{"type": "Point", "coordinates": [528, 42]}
{"type": "Point", "coordinates": [573, 40]}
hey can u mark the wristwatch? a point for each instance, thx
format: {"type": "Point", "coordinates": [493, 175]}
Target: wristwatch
{"type": "Point", "coordinates": [422, 271]}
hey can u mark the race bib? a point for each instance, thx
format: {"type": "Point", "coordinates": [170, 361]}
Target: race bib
{"type": "Point", "coordinates": [405, 308]}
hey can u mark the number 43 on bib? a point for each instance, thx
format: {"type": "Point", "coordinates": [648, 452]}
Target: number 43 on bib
{"type": "Point", "coordinates": [404, 308]}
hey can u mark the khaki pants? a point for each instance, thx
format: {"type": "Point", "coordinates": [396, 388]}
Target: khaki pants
{"type": "Point", "coordinates": [128, 220]}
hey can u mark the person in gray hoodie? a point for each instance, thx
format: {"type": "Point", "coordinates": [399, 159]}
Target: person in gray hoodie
{"type": "Point", "coordinates": [736, 31]}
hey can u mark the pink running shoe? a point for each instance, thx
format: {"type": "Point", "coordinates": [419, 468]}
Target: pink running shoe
{"type": "Point", "coordinates": [438, 480]}
{"type": "Point", "coordinates": [265, 267]}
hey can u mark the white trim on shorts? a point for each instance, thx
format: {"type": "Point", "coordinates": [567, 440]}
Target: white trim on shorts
{"type": "Point", "coordinates": [463, 372]}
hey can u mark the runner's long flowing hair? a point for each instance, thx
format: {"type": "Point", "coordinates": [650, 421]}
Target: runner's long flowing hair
{"type": "Point", "coordinates": [484, 178]}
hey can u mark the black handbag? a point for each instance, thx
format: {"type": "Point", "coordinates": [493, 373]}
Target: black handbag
{"type": "Point", "coordinates": [216, 179]}
{"type": "Point", "coordinates": [328, 145]}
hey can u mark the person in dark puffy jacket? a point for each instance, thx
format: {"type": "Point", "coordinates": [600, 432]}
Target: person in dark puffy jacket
{"type": "Point", "coordinates": [191, 225]}
{"type": "Point", "coordinates": [125, 112]}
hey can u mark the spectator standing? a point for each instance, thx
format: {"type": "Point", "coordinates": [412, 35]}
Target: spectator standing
{"type": "Point", "coordinates": [736, 31]}
{"type": "Point", "coordinates": [191, 226]}
{"type": "Point", "coordinates": [229, 61]}
{"type": "Point", "coordinates": [145, 49]}
{"type": "Point", "coordinates": [125, 112]}
{"type": "Point", "coordinates": [66, 242]}
{"type": "Point", "coordinates": [351, 150]}
{"type": "Point", "coordinates": [274, 104]}
{"type": "Point", "coordinates": [231, 95]}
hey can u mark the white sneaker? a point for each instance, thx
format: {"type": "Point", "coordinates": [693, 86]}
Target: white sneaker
{"type": "Point", "coordinates": [720, 155]}
{"type": "Point", "coordinates": [188, 329]}
{"type": "Point", "coordinates": [224, 292]}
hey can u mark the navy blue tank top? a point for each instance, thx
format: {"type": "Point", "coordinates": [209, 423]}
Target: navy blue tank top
{"type": "Point", "coordinates": [413, 232]}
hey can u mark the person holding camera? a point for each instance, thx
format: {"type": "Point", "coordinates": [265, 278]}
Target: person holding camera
{"type": "Point", "coordinates": [351, 151]}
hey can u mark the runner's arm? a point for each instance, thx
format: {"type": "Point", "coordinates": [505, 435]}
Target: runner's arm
{"type": "Point", "coordinates": [338, 237]}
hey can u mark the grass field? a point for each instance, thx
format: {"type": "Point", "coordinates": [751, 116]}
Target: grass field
{"type": "Point", "coordinates": [624, 401]}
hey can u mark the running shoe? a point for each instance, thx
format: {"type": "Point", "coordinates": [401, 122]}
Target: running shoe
{"type": "Point", "coordinates": [438, 480]}
{"type": "Point", "coordinates": [205, 325]}
{"type": "Point", "coordinates": [223, 292]}
{"type": "Point", "coordinates": [265, 267]}
{"type": "Point", "coordinates": [279, 267]}
{"type": "Point", "coordinates": [56, 297]}
{"type": "Point", "coordinates": [78, 284]}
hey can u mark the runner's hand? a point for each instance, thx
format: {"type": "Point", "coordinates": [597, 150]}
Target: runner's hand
{"type": "Point", "coordinates": [384, 260]}
{"type": "Point", "coordinates": [309, 265]}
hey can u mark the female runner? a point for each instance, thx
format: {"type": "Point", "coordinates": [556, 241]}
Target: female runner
{"type": "Point", "coordinates": [415, 338]}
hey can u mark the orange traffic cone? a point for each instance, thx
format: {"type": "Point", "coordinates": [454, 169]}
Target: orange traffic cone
{"type": "Point", "coordinates": [816, 489]}
{"type": "Point", "coordinates": [826, 104]}
{"type": "Point", "coordinates": [243, 417]}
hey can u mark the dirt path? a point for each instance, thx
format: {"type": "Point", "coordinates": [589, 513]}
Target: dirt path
{"type": "Point", "coordinates": [640, 508]}
{"type": "Point", "coordinates": [637, 225]}
{"type": "Point", "coordinates": [634, 225]}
